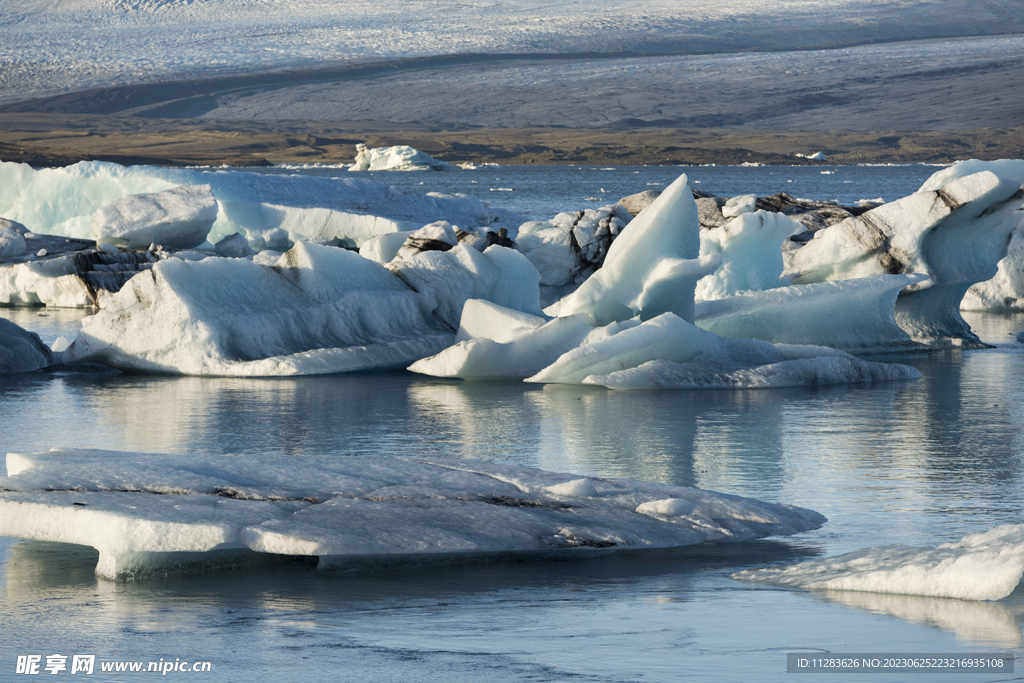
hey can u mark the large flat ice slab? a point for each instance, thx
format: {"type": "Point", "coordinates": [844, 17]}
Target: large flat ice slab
{"type": "Point", "coordinates": [983, 566]}
{"type": "Point", "coordinates": [150, 513]}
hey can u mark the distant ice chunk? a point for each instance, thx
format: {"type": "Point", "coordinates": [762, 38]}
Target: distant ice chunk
{"type": "Point", "coordinates": [179, 218]}
{"type": "Point", "coordinates": [150, 514]}
{"type": "Point", "coordinates": [398, 158]}
{"type": "Point", "coordinates": [21, 350]}
{"type": "Point", "coordinates": [983, 566]}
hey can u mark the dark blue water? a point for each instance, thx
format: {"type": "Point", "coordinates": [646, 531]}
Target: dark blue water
{"type": "Point", "coordinates": [540, 192]}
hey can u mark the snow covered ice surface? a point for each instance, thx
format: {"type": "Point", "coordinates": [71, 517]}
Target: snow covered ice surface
{"type": "Point", "coordinates": [983, 566]}
{"type": "Point", "coordinates": [52, 47]}
{"type": "Point", "coordinates": [148, 513]}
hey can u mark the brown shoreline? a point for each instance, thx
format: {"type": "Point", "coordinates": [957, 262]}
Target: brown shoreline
{"type": "Point", "coordinates": [48, 140]}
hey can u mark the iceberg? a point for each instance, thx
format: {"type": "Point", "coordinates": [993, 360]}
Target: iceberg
{"type": "Point", "coordinates": [317, 310]}
{"type": "Point", "coordinates": [1010, 169]}
{"type": "Point", "coordinates": [179, 218]}
{"type": "Point", "coordinates": [445, 280]}
{"type": "Point", "coordinates": [631, 324]}
{"type": "Point", "coordinates": [320, 309]}
{"type": "Point", "coordinates": [153, 514]}
{"type": "Point", "coordinates": [270, 211]}
{"type": "Point", "coordinates": [853, 315]}
{"type": "Point", "coordinates": [982, 566]}
{"type": "Point", "coordinates": [572, 245]}
{"type": "Point", "coordinates": [750, 246]}
{"type": "Point", "coordinates": [651, 268]}
{"type": "Point", "coordinates": [70, 273]}
{"type": "Point", "coordinates": [12, 239]}
{"type": "Point", "coordinates": [21, 350]}
{"type": "Point", "coordinates": [737, 206]}
{"type": "Point", "coordinates": [955, 235]}
{"type": "Point", "coordinates": [1005, 291]}
{"type": "Point", "coordinates": [398, 158]}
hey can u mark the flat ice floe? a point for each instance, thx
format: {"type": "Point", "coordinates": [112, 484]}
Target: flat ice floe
{"type": "Point", "coordinates": [983, 566]}
{"type": "Point", "coordinates": [156, 514]}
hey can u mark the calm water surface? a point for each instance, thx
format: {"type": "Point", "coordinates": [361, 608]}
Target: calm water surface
{"type": "Point", "coordinates": [919, 462]}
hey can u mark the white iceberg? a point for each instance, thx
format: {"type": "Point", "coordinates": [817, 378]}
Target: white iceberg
{"type": "Point", "coordinates": [853, 315]}
{"type": "Point", "coordinates": [179, 218]}
{"type": "Point", "coordinates": [651, 268]}
{"type": "Point", "coordinates": [157, 514]}
{"type": "Point", "coordinates": [751, 249]}
{"type": "Point", "coordinates": [397, 158]}
{"type": "Point", "coordinates": [445, 280]}
{"type": "Point", "coordinates": [737, 206]}
{"type": "Point", "coordinates": [955, 235]}
{"type": "Point", "coordinates": [983, 566]}
{"type": "Point", "coordinates": [572, 245]}
{"type": "Point", "coordinates": [12, 240]}
{"type": "Point", "coordinates": [320, 309]}
{"type": "Point", "coordinates": [630, 325]}
{"type": "Point", "coordinates": [1010, 169]}
{"type": "Point", "coordinates": [21, 350]}
{"type": "Point", "coordinates": [1005, 291]}
{"type": "Point", "coordinates": [317, 310]}
{"type": "Point", "coordinates": [271, 211]}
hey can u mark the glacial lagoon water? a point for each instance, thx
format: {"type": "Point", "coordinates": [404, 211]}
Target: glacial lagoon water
{"type": "Point", "coordinates": [918, 463]}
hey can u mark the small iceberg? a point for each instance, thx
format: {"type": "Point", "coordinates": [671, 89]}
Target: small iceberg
{"type": "Point", "coordinates": [150, 514]}
{"type": "Point", "coordinates": [397, 158]}
{"type": "Point", "coordinates": [21, 350]}
{"type": "Point", "coordinates": [983, 566]}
